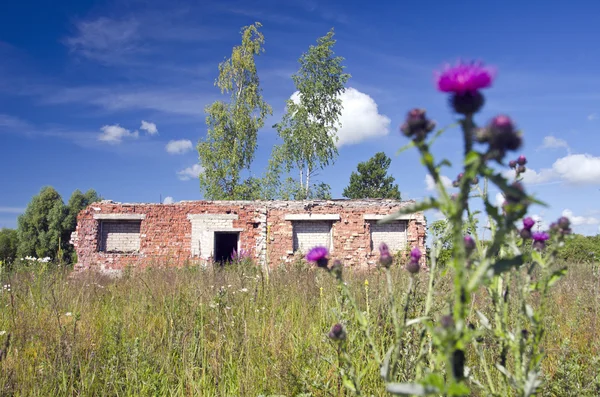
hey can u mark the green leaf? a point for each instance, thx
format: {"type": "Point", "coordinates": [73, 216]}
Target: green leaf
{"type": "Point", "coordinates": [410, 389]}
{"type": "Point", "coordinates": [472, 158]}
{"type": "Point", "coordinates": [386, 363]}
{"type": "Point", "coordinates": [484, 320]}
{"type": "Point", "coordinates": [416, 321]}
{"type": "Point", "coordinates": [349, 385]}
{"type": "Point", "coordinates": [458, 389]}
{"type": "Point", "coordinates": [504, 265]}
{"type": "Point", "coordinates": [424, 205]}
{"type": "Point", "coordinates": [536, 256]}
{"type": "Point", "coordinates": [404, 148]}
{"type": "Point", "coordinates": [531, 384]}
{"type": "Point", "coordinates": [556, 275]}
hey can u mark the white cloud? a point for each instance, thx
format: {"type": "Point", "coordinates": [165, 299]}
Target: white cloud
{"type": "Point", "coordinates": [573, 169]}
{"type": "Point", "coordinates": [168, 200]}
{"type": "Point", "coordinates": [115, 134]}
{"type": "Point", "coordinates": [12, 210]}
{"type": "Point", "coordinates": [150, 128]}
{"type": "Point", "coordinates": [540, 223]}
{"type": "Point", "coordinates": [104, 39]}
{"type": "Point", "coordinates": [499, 200]}
{"type": "Point", "coordinates": [580, 220]}
{"type": "Point", "coordinates": [190, 172]}
{"type": "Point", "coordinates": [360, 119]}
{"type": "Point", "coordinates": [592, 116]}
{"type": "Point", "coordinates": [551, 142]}
{"type": "Point", "coordinates": [578, 169]}
{"type": "Point", "coordinates": [430, 184]}
{"type": "Point", "coordinates": [533, 177]}
{"type": "Point", "coordinates": [179, 147]}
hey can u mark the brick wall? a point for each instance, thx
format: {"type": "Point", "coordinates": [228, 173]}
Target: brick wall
{"type": "Point", "coordinates": [120, 236]}
{"type": "Point", "coordinates": [308, 234]}
{"type": "Point", "coordinates": [176, 234]}
{"type": "Point", "coordinates": [393, 234]}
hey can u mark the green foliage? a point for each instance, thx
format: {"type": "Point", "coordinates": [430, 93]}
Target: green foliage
{"type": "Point", "coordinates": [9, 242]}
{"type": "Point", "coordinates": [230, 143]}
{"type": "Point", "coordinates": [44, 230]}
{"type": "Point", "coordinates": [371, 180]}
{"type": "Point", "coordinates": [40, 228]}
{"type": "Point", "coordinates": [309, 126]}
{"type": "Point", "coordinates": [580, 249]}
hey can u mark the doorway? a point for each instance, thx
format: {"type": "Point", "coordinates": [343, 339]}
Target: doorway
{"type": "Point", "coordinates": [225, 244]}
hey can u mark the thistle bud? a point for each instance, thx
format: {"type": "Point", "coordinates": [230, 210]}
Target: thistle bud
{"type": "Point", "coordinates": [521, 169]}
{"type": "Point", "coordinates": [417, 125]}
{"type": "Point", "coordinates": [522, 160]}
{"type": "Point", "coordinates": [385, 259]}
{"type": "Point", "coordinates": [469, 244]}
{"type": "Point", "coordinates": [512, 164]}
{"type": "Point", "coordinates": [337, 332]}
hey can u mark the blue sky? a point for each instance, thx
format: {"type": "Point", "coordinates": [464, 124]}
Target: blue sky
{"type": "Point", "coordinates": [91, 93]}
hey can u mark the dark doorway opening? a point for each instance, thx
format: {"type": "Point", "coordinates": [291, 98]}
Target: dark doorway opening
{"type": "Point", "coordinates": [225, 244]}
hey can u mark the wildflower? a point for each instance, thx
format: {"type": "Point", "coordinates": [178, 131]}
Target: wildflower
{"type": "Point", "coordinates": [502, 136]}
{"type": "Point", "coordinates": [539, 240]}
{"type": "Point", "coordinates": [512, 163]}
{"type": "Point", "coordinates": [465, 80]}
{"type": "Point", "coordinates": [68, 314]}
{"type": "Point", "coordinates": [337, 332]}
{"type": "Point", "coordinates": [413, 264]}
{"type": "Point", "coordinates": [528, 223]}
{"type": "Point", "coordinates": [417, 125]}
{"type": "Point", "coordinates": [318, 255]}
{"type": "Point", "coordinates": [337, 268]}
{"type": "Point", "coordinates": [563, 222]}
{"type": "Point", "coordinates": [522, 160]}
{"type": "Point", "coordinates": [244, 290]}
{"type": "Point", "coordinates": [447, 321]}
{"type": "Point", "coordinates": [385, 259]}
{"type": "Point", "coordinates": [469, 244]}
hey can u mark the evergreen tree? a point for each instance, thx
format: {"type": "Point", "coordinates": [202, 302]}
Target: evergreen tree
{"type": "Point", "coordinates": [371, 180]}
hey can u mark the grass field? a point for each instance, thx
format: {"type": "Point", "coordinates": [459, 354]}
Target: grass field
{"type": "Point", "coordinates": [231, 332]}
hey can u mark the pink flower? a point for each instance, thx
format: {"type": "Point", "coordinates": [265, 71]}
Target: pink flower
{"type": "Point", "coordinates": [464, 77]}
{"type": "Point", "coordinates": [415, 255]}
{"type": "Point", "coordinates": [540, 236]}
{"type": "Point", "coordinates": [528, 223]}
{"type": "Point", "coordinates": [318, 255]}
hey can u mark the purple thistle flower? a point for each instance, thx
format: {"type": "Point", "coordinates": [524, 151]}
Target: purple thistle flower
{"type": "Point", "coordinates": [540, 236]}
{"type": "Point", "coordinates": [318, 255]}
{"type": "Point", "coordinates": [464, 78]}
{"type": "Point", "coordinates": [503, 136]}
{"type": "Point", "coordinates": [522, 160]}
{"type": "Point", "coordinates": [337, 332]}
{"type": "Point", "coordinates": [384, 256]}
{"type": "Point", "coordinates": [539, 240]}
{"type": "Point", "coordinates": [528, 223]}
{"type": "Point", "coordinates": [415, 254]}
{"type": "Point", "coordinates": [469, 244]}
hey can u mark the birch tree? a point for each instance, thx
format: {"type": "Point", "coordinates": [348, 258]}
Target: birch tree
{"type": "Point", "coordinates": [231, 139]}
{"type": "Point", "coordinates": [309, 126]}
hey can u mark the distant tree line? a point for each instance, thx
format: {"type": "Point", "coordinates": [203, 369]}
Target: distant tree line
{"type": "Point", "coordinates": [45, 228]}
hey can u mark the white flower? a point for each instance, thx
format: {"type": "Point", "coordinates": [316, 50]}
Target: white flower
{"type": "Point", "coordinates": [2, 333]}
{"type": "Point", "coordinates": [68, 314]}
{"type": "Point", "coordinates": [244, 290]}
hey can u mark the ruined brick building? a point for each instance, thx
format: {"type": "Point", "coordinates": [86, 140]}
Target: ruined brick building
{"type": "Point", "coordinates": [111, 236]}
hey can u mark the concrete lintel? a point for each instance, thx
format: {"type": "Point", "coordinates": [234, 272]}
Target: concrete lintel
{"type": "Point", "coordinates": [375, 217]}
{"type": "Point", "coordinates": [120, 217]}
{"type": "Point", "coordinates": [194, 217]}
{"type": "Point", "coordinates": [312, 217]}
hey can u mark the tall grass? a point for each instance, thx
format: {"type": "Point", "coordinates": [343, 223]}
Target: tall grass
{"type": "Point", "coordinates": [227, 332]}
